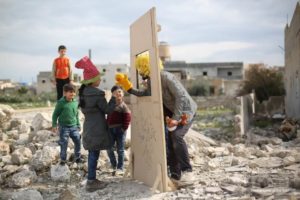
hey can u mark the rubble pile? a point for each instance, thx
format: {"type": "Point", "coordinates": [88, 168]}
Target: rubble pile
{"type": "Point", "coordinates": [264, 166]}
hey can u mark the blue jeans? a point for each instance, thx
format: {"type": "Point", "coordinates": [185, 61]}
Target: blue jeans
{"type": "Point", "coordinates": [92, 164]}
{"type": "Point", "coordinates": [64, 133]}
{"type": "Point", "coordinates": [118, 137]}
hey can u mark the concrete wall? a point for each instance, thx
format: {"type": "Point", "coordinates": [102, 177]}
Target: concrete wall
{"type": "Point", "coordinates": [108, 72]}
{"type": "Point", "coordinates": [230, 87]}
{"type": "Point", "coordinates": [44, 83]}
{"type": "Point", "coordinates": [292, 66]}
{"type": "Point", "coordinates": [246, 113]}
{"type": "Point", "coordinates": [215, 70]}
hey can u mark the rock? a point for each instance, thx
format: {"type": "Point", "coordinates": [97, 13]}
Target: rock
{"type": "Point", "coordinates": [239, 150]}
{"type": "Point", "coordinates": [69, 194]}
{"type": "Point", "coordinates": [42, 136]}
{"type": "Point", "coordinates": [27, 195]}
{"type": "Point", "coordinates": [6, 159]}
{"type": "Point", "coordinates": [43, 158]}
{"type": "Point", "coordinates": [23, 178]}
{"type": "Point", "coordinates": [295, 183]}
{"type": "Point", "coordinates": [20, 125]}
{"type": "Point", "coordinates": [266, 192]}
{"type": "Point", "coordinates": [41, 121]}
{"type": "Point", "coordinates": [289, 160]}
{"type": "Point", "coordinates": [237, 179]}
{"type": "Point", "coordinates": [260, 181]}
{"type": "Point", "coordinates": [23, 139]}
{"type": "Point", "coordinates": [271, 162]}
{"type": "Point", "coordinates": [198, 139]}
{"type": "Point", "coordinates": [11, 168]}
{"type": "Point", "coordinates": [60, 173]}
{"type": "Point", "coordinates": [4, 148]}
{"type": "Point", "coordinates": [21, 156]}
{"type": "Point", "coordinates": [288, 130]}
{"type": "Point", "coordinates": [6, 113]}
{"type": "Point", "coordinates": [3, 136]}
{"type": "Point", "coordinates": [13, 134]}
{"type": "Point", "coordinates": [213, 190]}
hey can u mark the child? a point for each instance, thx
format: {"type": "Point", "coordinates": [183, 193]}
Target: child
{"type": "Point", "coordinates": [95, 136]}
{"type": "Point", "coordinates": [61, 71]}
{"type": "Point", "coordinates": [66, 111]}
{"type": "Point", "coordinates": [118, 122]}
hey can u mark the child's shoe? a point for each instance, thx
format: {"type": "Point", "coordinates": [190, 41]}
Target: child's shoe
{"type": "Point", "coordinates": [93, 185]}
{"type": "Point", "coordinates": [119, 172]}
{"type": "Point", "coordinates": [79, 160]}
{"type": "Point", "coordinates": [63, 162]}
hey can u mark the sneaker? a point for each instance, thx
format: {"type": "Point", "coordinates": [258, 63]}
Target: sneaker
{"type": "Point", "coordinates": [187, 179]}
{"type": "Point", "coordinates": [93, 185]}
{"type": "Point", "coordinates": [63, 162]}
{"type": "Point", "coordinates": [119, 172]}
{"type": "Point", "coordinates": [79, 160]}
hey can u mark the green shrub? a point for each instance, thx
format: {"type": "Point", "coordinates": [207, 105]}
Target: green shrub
{"type": "Point", "coordinates": [264, 81]}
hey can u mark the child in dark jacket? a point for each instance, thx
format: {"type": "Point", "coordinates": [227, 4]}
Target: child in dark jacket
{"type": "Point", "coordinates": [95, 135]}
{"type": "Point", "coordinates": [118, 122]}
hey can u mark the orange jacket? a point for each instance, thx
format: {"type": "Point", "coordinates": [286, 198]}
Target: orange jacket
{"type": "Point", "coordinates": [61, 67]}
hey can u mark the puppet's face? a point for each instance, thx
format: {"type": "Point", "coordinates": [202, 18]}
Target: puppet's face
{"type": "Point", "coordinates": [142, 65]}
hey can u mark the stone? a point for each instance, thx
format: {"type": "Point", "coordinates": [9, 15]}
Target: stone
{"type": "Point", "coordinates": [213, 190]}
{"type": "Point", "coordinates": [23, 139]}
{"type": "Point", "coordinates": [69, 194]}
{"type": "Point", "coordinates": [41, 121]}
{"type": "Point", "coordinates": [42, 136]}
{"type": "Point", "coordinates": [6, 113]}
{"type": "Point", "coordinates": [20, 125]}
{"type": "Point", "coordinates": [23, 178]}
{"type": "Point", "coordinates": [43, 158]}
{"type": "Point", "coordinates": [6, 159]}
{"type": "Point", "coordinates": [4, 148]}
{"type": "Point", "coordinates": [27, 195]}
{"type": "Point", "coordinates": [289, 160]}
{"type": "Point", "coordinates": [267, 162]}
{"type": "Point", "coordinates": [21, 156]}
{"type": "Point", "coordinates": [60, 173]}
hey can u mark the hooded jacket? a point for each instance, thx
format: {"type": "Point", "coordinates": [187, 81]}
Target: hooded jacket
{"type": "Point", "coordinates": [95, 134]}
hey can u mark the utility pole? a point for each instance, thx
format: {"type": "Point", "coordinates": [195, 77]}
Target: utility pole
{"type": "Point", "coordinates": [90, 54]}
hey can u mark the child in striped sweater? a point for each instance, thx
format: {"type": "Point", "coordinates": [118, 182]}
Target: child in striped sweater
{"type": "Point", "coordinates": [118, 122]}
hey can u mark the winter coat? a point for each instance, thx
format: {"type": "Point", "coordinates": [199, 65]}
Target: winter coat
{"type": "Point", "coordinates": [95, 134]}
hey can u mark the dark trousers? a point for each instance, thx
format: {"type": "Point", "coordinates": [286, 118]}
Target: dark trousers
{"type": "Point", "coordinates": [92, 164]}
{"type": "Point", "coordinates": [118, 137]}
{"type": "Point", "coordinates": [177, 152]}
{"type": "Point", "coordinates": [59, 87]}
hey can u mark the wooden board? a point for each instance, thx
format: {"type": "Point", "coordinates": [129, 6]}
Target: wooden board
{"type": "Point", "coordinates": [148, 153]}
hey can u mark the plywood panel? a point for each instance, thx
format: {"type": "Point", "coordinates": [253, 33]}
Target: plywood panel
{"type": "Point", "coordinates": [147, 131]}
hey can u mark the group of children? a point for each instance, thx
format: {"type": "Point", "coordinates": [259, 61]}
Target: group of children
{"type": "Point", "coordinates": [105, 123]}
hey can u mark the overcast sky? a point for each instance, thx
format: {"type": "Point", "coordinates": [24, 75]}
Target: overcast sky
{"type": "Point", "coordinates": [250, 31]}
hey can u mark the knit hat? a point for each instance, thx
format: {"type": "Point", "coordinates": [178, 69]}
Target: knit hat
{"type": "Point", "coordinates": [90, 72]}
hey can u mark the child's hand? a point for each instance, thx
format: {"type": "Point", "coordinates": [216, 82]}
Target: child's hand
{"type": "Point", "coordinates": [54, 129]}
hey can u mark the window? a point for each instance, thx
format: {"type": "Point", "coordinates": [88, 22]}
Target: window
{"type": "Point", "coordinates": [204, 73]}
{"type": "Point", "coordinates": [119, 69]}
{"type": "Point", "coordinates": [229, 73]}
{"type": "Point", "coordinates": [103, 70]}
{"type": "Point", "coordinates": [103, 80]}
{"type": "Point", "coordinates": [43, 81]}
